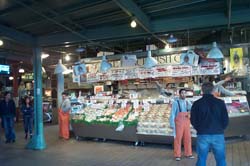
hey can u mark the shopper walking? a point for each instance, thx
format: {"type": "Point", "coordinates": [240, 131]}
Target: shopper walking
{"type": "Point", "coordinates": [63, 112]}
{"type": "Point", "coordinates": [180, 123]}
{"type": "Point", "coordinates": [210, 118]}
{"type": "Point", "coordinates": [8, 116]}
{"type": "Point", "coordinates": [27, 111]}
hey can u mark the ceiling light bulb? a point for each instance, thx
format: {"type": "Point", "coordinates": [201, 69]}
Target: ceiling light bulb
{"type": "Point", "coordinates": [11, 78]}
{"type": "Point", "coordinates": [133, 24]}
{"type": "Point", "coordinates": [67, 57]}
{"type": "Point", "coordinates": [21, 70]}
{"type": "Point", "coordinates": [44, 55]}
{"type": "Point", "coordinates": [1, 42]}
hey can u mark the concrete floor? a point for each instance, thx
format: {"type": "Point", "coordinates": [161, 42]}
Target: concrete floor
{"type": "Point", "coordinates": [109, 153]}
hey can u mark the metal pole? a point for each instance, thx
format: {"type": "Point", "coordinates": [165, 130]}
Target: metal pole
{"type": "Point", "coordinates": [37, 142]}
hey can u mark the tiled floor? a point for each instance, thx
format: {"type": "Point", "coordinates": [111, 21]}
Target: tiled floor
{"type": "Point", "coordinates": [94, 153]}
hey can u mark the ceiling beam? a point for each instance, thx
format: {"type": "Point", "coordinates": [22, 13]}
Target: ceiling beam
{"type": "Point", "coordinates": [15, 56]}
{"type": "Point", "coordinates": [75, 33]}
{"type": "Point", "coordinates": [56, 14]}
{"type": "Point", "coordinates": [131, 8]}
{"type": "Point", "coordinates": [17, 36]}
{"type": "Point", "coordinates": [66, 12]}
{"type": "Point", "coordinates": [229, 12]}
{"type": "Point", "coordinates": [171, 5]}
{"type": "Point", "coordinates": [158, 26]}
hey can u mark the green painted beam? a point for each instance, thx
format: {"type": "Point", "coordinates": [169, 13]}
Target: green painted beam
{"type": "Point", "coordinates": [76, 33]}
{"type": "Point", "coordinates": [158, 26]}
{"type": "Point", "coordinates": [66, 11]}
{"type": "Point", "coordinates": [131, 8]}
{"type": "Point", "coordinates": [15, 56]}
{"type": "Point", "coordinates": [15, 35]}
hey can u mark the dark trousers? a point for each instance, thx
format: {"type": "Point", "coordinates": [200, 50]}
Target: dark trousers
{"type": "Point", "coordinates": [28, 124]}
{"type": "Point", "coordinates": [8, 124]}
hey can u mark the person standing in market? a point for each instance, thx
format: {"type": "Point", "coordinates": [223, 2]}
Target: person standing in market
{"type": "Point", "coordinates": [8, 116]}
{"type": "Point", "coordinates": [180, 123]}
{"type": "Point", "coordinates": [210, 118]}
{"type": "Point", "coordinates": [27, 111]}
{"type": "Point", "coordinates": [219, 89]}
{"type": "Point", "coordinates": [64, 116]}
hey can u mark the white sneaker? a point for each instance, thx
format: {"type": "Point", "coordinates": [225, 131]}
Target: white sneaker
{"type": "Point", "coordinates": [190, 157]}
{"type": "Point", "coordinates": [178, 159]}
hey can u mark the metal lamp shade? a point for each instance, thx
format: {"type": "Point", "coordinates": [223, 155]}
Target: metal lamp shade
{"type": "Point", "coordinates": [150, 61]}
{"type": "Point", "coordinates": [105, 65]}
{"type": "Point", "coordinates": [172, 39]}
{"type": "Point", "coordinates": [215, 52]}
{"type": "Point", "coordinates": [60, 68]}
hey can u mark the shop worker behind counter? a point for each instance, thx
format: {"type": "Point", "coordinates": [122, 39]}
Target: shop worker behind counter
{"type": "Point", "coordinates": [63, 112]}
{"type": "Point", "coordinates": [180, 123]}
{"type": "Point", "coordinates": [210, 118]}
{"type": "Point", "coordinates": [8, 116]}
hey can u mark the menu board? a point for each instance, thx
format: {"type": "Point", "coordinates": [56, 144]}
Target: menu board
{"type": "Point", "coordinates": [131, 73]}
{"type": "Point", "coordinates": [204, 68]}
{"type": "Point", "coordinates": [117, 74]}
{"type": "Point", "coordinates": [145, 73]}
{"type": "Point", "coordinates": [93, 77]}
{"type": "Point", "coordinates": [209, 68]}
{"type": "Point", "coordinates": [163, 71]}
{"type": "Point", "coordinates": [181, 70]}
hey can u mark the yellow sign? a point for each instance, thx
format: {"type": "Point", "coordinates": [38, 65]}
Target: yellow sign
{"type": "Point", "coordinates": [236, 55]}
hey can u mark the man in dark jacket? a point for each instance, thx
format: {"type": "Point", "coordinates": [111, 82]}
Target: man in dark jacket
{"type": "Point", "coordinates": [210, 118]}
{"type": "Point", "coordinates": [8, 116]}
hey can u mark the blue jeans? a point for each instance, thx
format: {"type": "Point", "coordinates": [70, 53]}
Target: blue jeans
{"type": "Point", "coordinates": [8, 124]}
{"type": "Point", "coordinates": [28, 124]}
{"type": "Point", "coordinates": [214, 142]}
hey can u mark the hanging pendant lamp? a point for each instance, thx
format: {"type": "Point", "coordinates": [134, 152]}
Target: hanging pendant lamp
{"type": "Point", "coordinates": [150, 61]}
{"type": "Point", "coordinates": [172, 39]}
{"type": "Point", "coordinates": [215, 52]}
{"type": "Point", "coordinates": [105, 65]}
{"type": "Point", "coordinates": [60, 68]}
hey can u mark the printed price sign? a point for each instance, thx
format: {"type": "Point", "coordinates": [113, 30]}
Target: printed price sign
{"type": "Point", "coordinates": [146, 106]}
{"type": "Point", "coordinates": [243, 99]}
{"type": "Point", "coordinates": [166, 101]}
{"type": "Point", "coordinates": [111, 102]}
{"type": "Point", "coordinates": [136, 103]}
{"type": "Point", "coordinates": [227, 99]}
{"type": "Point", "coordinates": [124, 103]}
{"type": "Point", "coordinates": [93, 101]}
{"type": "Point", "coordinates": [153, 101]}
